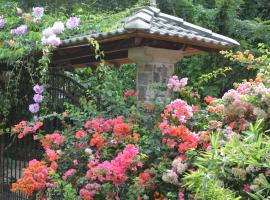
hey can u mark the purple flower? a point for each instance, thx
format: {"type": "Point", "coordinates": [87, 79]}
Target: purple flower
{"type": "Point", "coordinates": [19, 30]}
{"type": "Point", "coordinates": [34, 108]}
{"type": "Point", "coordinates": [2, 22]}
{"type": "Point", "coordinates": [38, 12]}
{"type": "Point", "coordinates": [47, 32]}
{"type": "Point", "coordinates": [35, 118]}
{"type": "Point", "coordinates": [58, 27]}
{"type": "Point", "coordinates": [38, 98]}
{"type": "Point", "coordinates": [73, 22]}
{"type": "Point", "coordinates": [38, 89]}
{"type": "Point", "coordinates": [53, 40]}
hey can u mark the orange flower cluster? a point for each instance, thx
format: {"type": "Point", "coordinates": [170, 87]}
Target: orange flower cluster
{"type": "Point", "coordinates": [121, 129]}
{"type": "Point", "coordinates": [216, 109]}
{"type": "Point", "coordinates": [35, 178]}
{"type": "Point", "coordinates": [97, 140]}
{"type": "Point", "coordinates": [189, 141]}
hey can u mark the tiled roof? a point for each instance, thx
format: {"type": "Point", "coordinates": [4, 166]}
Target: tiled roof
{"type": "Point", "coordinates": [150, 20]}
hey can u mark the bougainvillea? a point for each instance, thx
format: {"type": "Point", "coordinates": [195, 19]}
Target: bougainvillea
{"type": "Point", "coordinates": [23, 128]}
{"type": "Point", "coordinates": [35, 178]}
{"type": "Point", "coordinates": [176, 84]}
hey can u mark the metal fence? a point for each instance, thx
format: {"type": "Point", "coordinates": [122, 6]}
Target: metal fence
{"type": "Point", "coordinates": [16, 153]}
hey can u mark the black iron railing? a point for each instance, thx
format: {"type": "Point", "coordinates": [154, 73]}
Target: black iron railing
{"type": "Point", "coordinates": [16, 153]}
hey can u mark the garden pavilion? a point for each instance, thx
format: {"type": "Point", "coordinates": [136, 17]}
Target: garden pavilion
{"type": "Point", "coordinates": [155, 41]}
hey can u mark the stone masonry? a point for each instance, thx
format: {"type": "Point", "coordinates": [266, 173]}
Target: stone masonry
{"type": "Point", "coordinates": [154, 67]}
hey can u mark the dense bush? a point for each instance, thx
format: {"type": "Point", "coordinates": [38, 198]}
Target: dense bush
{"type": "Point", "coordinates": [192, 147]}
{"type": "Point", "coordinates": [213, 150]}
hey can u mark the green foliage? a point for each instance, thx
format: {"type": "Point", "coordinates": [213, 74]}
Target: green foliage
{"type": "Point", "coordinates": [218, 168]}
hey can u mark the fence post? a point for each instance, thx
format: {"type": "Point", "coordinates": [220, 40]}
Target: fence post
{"type": "Point", "coordinates": [1, 166]}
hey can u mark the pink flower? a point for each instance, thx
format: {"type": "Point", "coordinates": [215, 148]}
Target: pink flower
{"type": "Point", "coordinates": [55, 138]}
{"type": "Point", "coordinates": [52, 155]}
{"type": "Point", "coordinates": [75, 162]}
{"type": "Point", "coordinates": [171, 143]}
{"type": "Point", "coordinates": [179, 110]}
{"type": "Point", "coordinates": [80, 134]}
{"type": "Point", "coordinates": [181, 196]}
{"type": "Point", "coordinates": [116, 169]}
{"type": "Point", "coordinates": [247, 188]}
{"type": "Point", "coordinates": [54, 166]}
{"type": "Point", "coordinates": [176, 84]}
{"type": "Point", "coordinates": [69, 173]}
{"type": "Point", "coordinates": [37, 126]}
{"type": "Point", "coordinates": [231, 95]}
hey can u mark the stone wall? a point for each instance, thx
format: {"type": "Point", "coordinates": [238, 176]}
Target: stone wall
{"type": "Point", "coordinates": [154, 67]}
{"type": "Point", "coordinates": [150, 75]}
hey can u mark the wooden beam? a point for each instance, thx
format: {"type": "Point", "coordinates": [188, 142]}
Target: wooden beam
{"type": "Point", "coordinates": [77, 52]}
{"type": "Point", "coordinates": [84, 51]}
{"type": "Point", "coordinates": [92, 59]}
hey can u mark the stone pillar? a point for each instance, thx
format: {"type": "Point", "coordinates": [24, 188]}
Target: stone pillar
{"type": "Point", "coordinates": [154, 66]}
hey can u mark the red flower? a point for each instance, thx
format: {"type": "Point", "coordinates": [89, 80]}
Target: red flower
{"type": "Point", "coordinates": [144, 177]}
{"type": "Point", "coordinates": [209, 99]}
{"type": "Point", "coordinates": [121, 129]}
{"type": "Point", "coordinates": [129, 93]}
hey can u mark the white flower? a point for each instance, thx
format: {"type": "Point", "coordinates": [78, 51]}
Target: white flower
{"type": "Point", "coordinates": [170, 177]}
{"type": "Point", "coordinates": [88, 151]}
{"type": "Point", "coordinates": [179, 165]}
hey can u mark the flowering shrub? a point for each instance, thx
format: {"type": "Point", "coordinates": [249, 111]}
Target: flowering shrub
{"type": "Point", "coordinates": [186, 152]}
{"type": "Point", "coordinates": [35, 178]}
{"type": "Point", "coordinates": [94, 170]}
